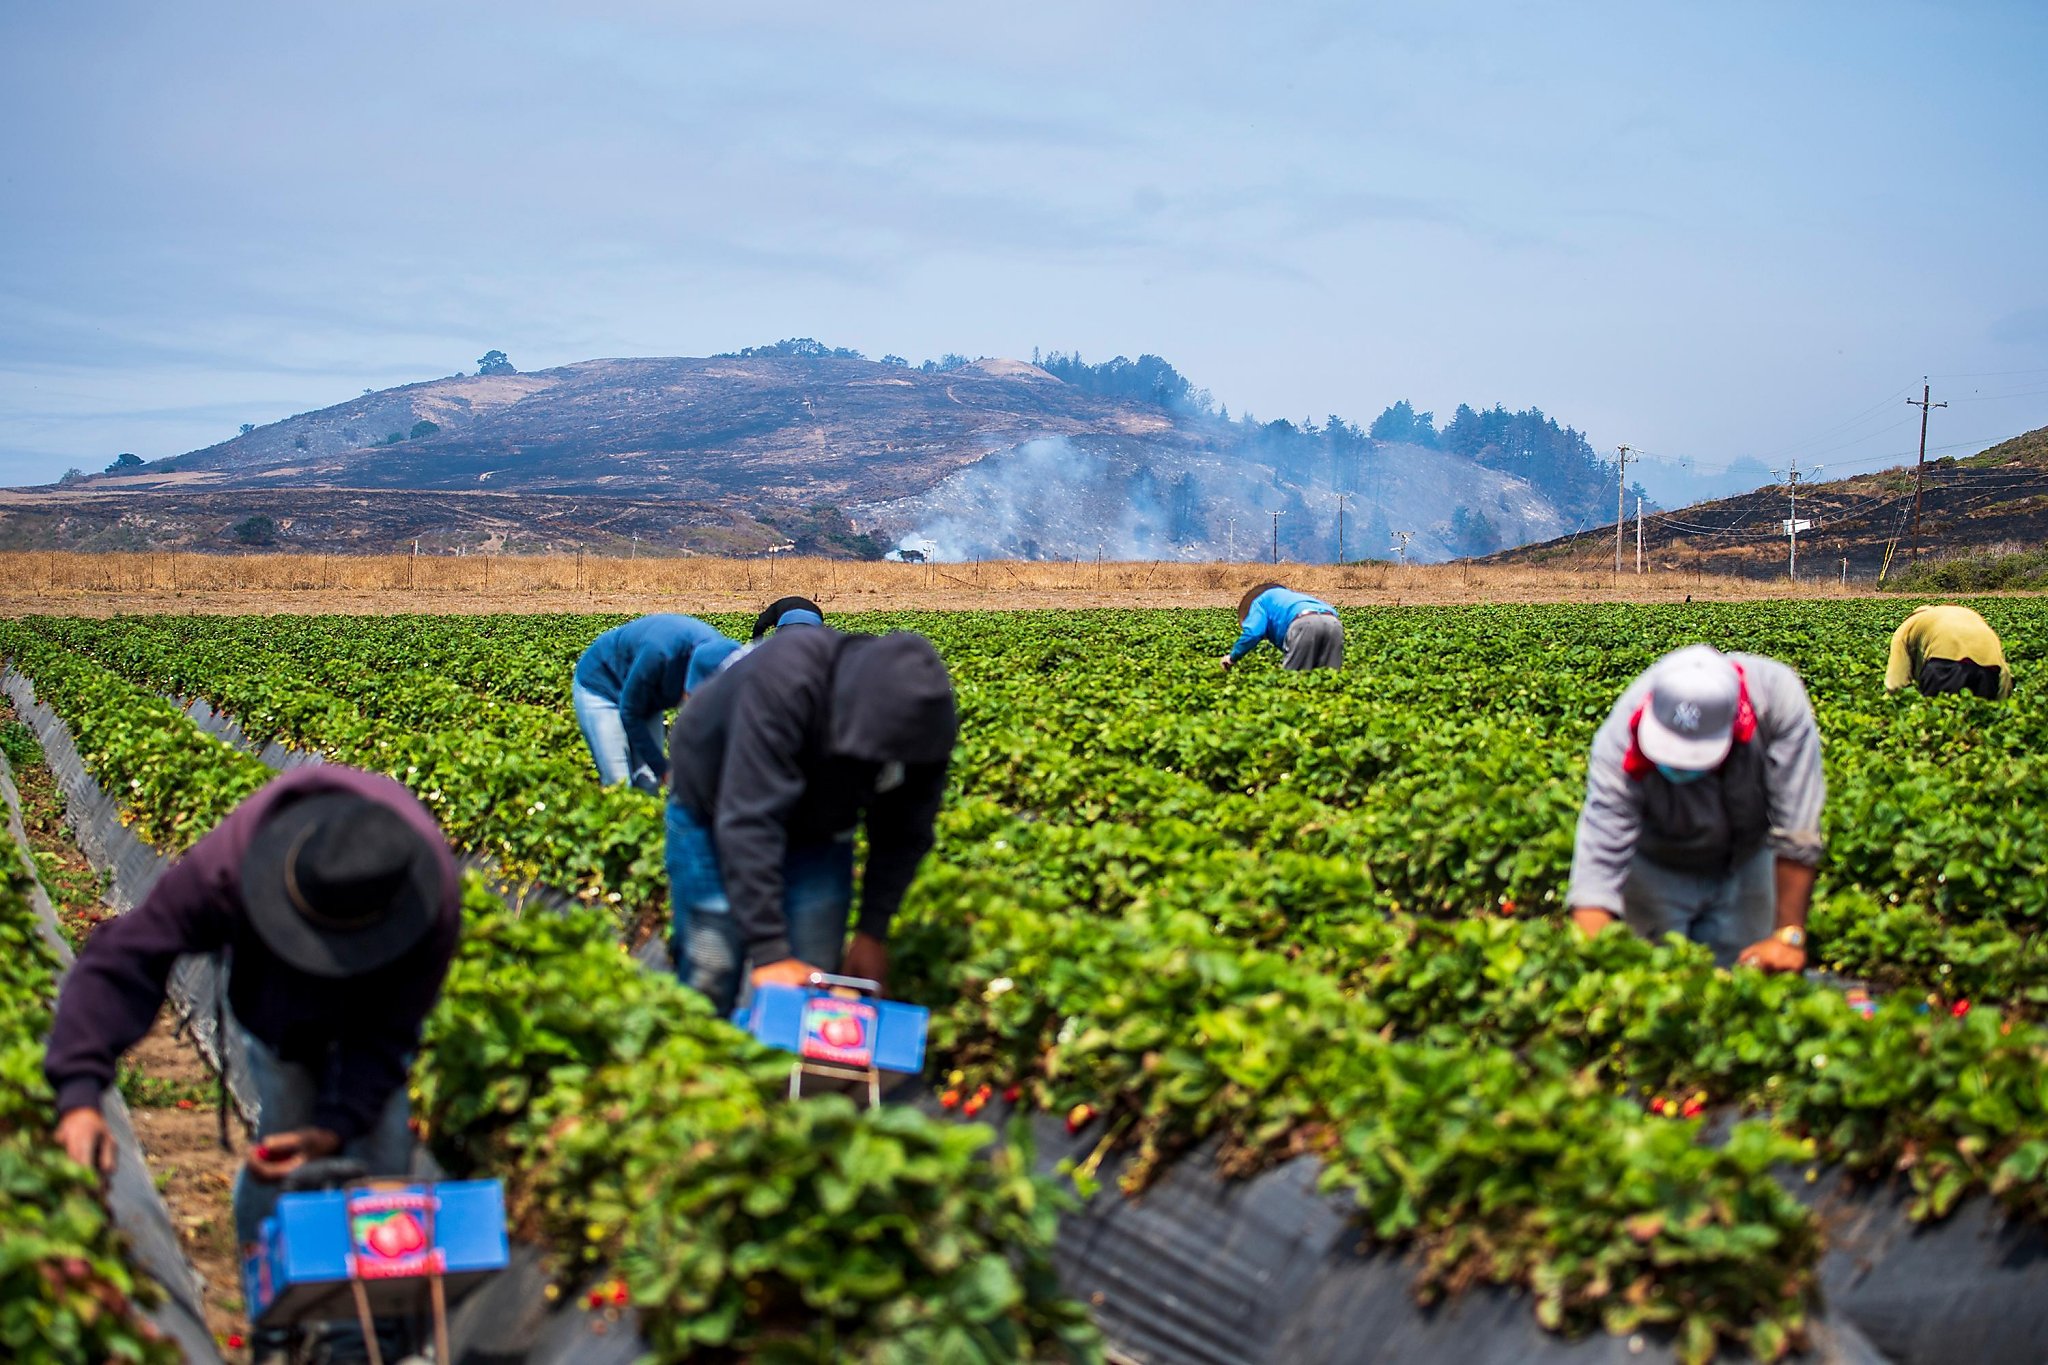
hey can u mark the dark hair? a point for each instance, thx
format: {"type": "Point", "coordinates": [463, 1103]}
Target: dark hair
{"type": "Point", "coordinates": [773, 612]}
{"type": "Point", "coordinates": [1251, 595]}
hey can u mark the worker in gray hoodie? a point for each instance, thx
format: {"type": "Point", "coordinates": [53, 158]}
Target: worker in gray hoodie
{"type": "Point", "coordinates": [1702, 814]}
{"type": "Point", "coordinates": [778, 761]}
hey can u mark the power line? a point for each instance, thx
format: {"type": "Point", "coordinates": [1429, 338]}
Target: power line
{"type": "Point", "coordinates": [1994, 374]}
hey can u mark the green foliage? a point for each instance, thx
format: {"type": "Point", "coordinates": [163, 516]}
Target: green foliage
{"type": "Point", "coordinates": [612, 1103]}
{"type": "Point", "coordinates": [68, 1295]}
{"type": "Point", "coordinates": [1993, 572]}
{"type": "Point", "coordinates": [256, 530]}
{"type": "Point", "coordinates": [18, 742]}
{"type": "Point", "coordinates": [1294, 913]}
{"type": "Point", "coordinates": [422, 429]}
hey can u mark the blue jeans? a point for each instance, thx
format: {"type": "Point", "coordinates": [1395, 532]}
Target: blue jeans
{"type": "Point", "coordinates": [817, 896]}
{"type": "Point", "coordinates": [1726, 913]}
{"type": "Point", "coordinates": [287, 1092]}
{"type": "Point", "coordinates": [604, 730]}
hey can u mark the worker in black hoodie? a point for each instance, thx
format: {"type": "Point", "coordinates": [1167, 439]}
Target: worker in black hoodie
{"type": "Point", "coordinates": [774, 764]}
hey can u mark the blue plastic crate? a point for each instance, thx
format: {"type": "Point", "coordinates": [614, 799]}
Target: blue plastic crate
{"type": "Point", "coordinates": [392, 1236]}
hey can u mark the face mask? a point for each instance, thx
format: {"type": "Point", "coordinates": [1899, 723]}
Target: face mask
{"type": "Point", "coordinates": [1678, 777]}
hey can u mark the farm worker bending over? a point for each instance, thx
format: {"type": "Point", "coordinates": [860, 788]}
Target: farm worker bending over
{"type": "Point", "coordinates": [788, 611]}
{"type": "Point", "coordinates": [1702, 813]}
{"type": "Point", "coordinates": [776, 761]}
{"type": "Point", "coordinates": [1304, 629]}
{"type": "Point", "coordinates": [1948, 649]}
{"type": "Point", "coordinates": [336, 902]}
{"type": "Point", "coordinates": [627, 682]}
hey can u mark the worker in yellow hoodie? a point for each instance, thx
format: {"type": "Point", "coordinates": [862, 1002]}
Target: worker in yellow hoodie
{"type": "Point", "coordinates": [1948, 649]}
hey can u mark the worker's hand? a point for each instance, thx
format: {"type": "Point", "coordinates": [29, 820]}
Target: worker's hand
{"type": "Point", "coordinates": [1774, 955]}
{"type": "Point", "coordinates": [82, 1133]}
{"type": "Point", "coordinates": [1227, 661]}
{"type": "Point", "coordinates": [1591, 919]}
{"type": "Point", "coordinates": [791, 971]}
{"type": "Point", "coordinates": [278, 1155]}
{"type": "Point", "coordinates": [868, 956]}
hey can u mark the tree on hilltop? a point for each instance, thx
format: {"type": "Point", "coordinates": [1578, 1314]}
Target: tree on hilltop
{"type": "Point", "coordinates": [492, 362]}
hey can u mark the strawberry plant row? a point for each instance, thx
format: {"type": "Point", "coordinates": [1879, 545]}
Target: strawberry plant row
{"type": "Point", "coordinates": [635, 1129]}
{"type": "Point", "coordinates": [1724, 1310]}
{"type": "Point", "coordinates": [69, 1294]}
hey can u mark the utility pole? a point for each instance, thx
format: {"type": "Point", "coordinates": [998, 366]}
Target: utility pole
{"type": "Point", "coordinates": [1920, 469]}
{"type": "Point", "coordinates": [1276, 537]}
{"type": "Point", "coordinates": [1401, 544]}
{"type": "Point", "coordinates": [1230, 546]}
{"type": "Point", "coordinates": [1639, 535]}
{"type": "Point", "coordinates": [1341, 497]}
{"type": "Point", "coordinates": [1793, 525]}
{"type": "Point", "coordinates": [1620, 502]}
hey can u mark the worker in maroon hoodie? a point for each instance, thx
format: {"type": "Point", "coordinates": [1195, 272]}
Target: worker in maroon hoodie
{"type": "Point", "coordinates": [335, 900]}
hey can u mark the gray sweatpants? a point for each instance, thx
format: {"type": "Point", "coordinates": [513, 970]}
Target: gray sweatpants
{"type": "Point", "coordinates": [1727, 914]}
{"type": "Point", "coordinates": [1315, 640]}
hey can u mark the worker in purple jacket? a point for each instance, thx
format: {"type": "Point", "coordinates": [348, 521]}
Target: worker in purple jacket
{"type": "Point", "coordinates": [337, 903]}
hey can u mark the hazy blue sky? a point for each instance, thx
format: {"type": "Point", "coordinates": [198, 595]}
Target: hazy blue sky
{"type": "Point", "coordinates": [1707, 230]}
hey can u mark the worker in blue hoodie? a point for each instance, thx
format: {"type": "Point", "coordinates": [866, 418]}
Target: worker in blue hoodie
{"type": "Point", "coordinates": [629, 679]}
{"type": "Point", "coordinates": [1304, 629]}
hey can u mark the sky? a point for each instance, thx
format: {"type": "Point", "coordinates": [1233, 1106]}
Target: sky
{"type": "Point", "coordinates": [1712, 232]}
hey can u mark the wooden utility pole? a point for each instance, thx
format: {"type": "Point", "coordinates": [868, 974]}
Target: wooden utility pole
{"type": "Point", "coordinates": [1340, 526]}
{"type": "Point", "coordinates": [1276, 537]}
{"type": "Point", "coordinates": [1792, 525]}
{"type": "Point", "coordinates": [1920, 469]}
{"type": "Point", "coordinates": [1639, 535]}
{"type": "Point", "coordinates": [1620, 502]}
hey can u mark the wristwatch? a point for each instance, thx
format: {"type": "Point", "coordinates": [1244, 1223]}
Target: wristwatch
{"type": "Point", "coordinates": [1792, 936]}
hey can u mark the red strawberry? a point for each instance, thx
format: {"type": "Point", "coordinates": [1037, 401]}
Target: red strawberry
{"type": "Point", "coordinates": [410, 1235]}
{"type": "Point", "coordinates": [1012, 1094]}
{"type": "Point", "coordinates": [1079, 1116]}
{"type": "Point", "coordinates": [620, 1296]}
{"type": "Point", "coordinates": [233, 1341]}
{"type": "Point", "coordinates": [842, 1031]}
{"type": "Point", "coordinates": [1692, 1108]}
{"type": "Point", "coordinates": [595, 1298]}
{"type": "Point", "coordinates": [949, 1099]}
{"type": "Point", "coordinates": [386, 1239]}
{"type": "Point", "coordinates": [1960, 1008]}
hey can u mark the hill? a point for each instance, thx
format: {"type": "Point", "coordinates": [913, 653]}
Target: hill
{"type": "Point", "coordinates": [1994, 500]}
{"type": "Point", "coordinates": [842, 455]}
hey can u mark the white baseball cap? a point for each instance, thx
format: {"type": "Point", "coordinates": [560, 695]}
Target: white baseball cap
{"type": "Point", "coordinates": [1689, 720]}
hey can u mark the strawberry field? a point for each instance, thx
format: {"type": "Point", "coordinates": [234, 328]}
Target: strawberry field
{"type": "Point", "coordinates": [1279, 915]}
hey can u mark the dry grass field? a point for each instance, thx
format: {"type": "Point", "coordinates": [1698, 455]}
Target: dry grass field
{"type": "Point", "coordinates": [109, 584]}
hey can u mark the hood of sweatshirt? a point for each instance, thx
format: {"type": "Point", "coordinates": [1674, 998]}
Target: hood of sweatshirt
{"type": "Point", "coordinates": [892, 701]}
